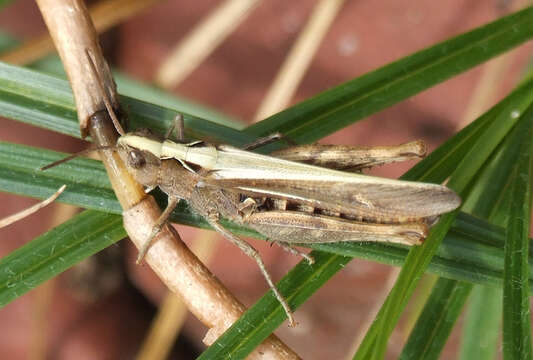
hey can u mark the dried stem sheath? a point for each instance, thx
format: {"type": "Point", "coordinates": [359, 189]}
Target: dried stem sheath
{"type": "Point", "coordinates": [178, 268]}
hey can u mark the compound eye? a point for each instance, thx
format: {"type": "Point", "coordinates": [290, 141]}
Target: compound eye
{"type": "Point", "coordinates": [136, 159]}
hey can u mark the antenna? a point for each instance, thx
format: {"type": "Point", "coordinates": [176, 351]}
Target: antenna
{"type": "Point", "coordinates": [70, 157]}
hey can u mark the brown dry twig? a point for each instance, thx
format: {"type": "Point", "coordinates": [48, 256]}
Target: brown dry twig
{"type": "Point", "coordinates": [74, 34]}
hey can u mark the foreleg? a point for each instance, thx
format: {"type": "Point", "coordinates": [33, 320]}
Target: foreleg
{"type": "Point", "coordinates": [161, 221]}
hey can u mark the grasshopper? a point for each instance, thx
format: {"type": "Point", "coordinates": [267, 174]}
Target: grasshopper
{"type": "Point", "coordinates": [285, 197]}
{"type": "Point", "coordinates": [284, 200]}
{"type": "Point", "coordinates": [297, 195]}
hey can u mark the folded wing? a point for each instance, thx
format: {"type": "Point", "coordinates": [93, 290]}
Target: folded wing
{"type": "Point", "coordinates": [347, 193]}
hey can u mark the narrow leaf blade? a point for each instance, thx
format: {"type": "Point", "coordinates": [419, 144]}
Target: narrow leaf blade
{"type": "Point", "coordinates": [370, 93]}
{"type": "Point", "coordinates": [433, 327]}
{"type": "Point", "coordinates": [516, 311]}
{"type": "Point", "coordinates": [483, 316]}
{"type": "Point", "coordinates": [57, 250]}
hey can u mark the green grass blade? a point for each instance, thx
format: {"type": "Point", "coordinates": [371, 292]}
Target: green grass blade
{"type": "Point", "coordinates": [37, 99]}
{"type": "Point", "coordinates": [130, 88]}
{"type": "Point", "coordinates": [46, 101]}
{"type": "Point", "coordinates": [488, 200]}
{"type": "Point", "coordinates": [481, 328]}
{"type": "Point", "coordinates": [86, 180]}
{"type": "Point", "coordinates": [516, 312]}
{"type": "Point", "coordinates": [375, 342]}
{"type": "Point", "coordinates": [57, 250]}
{"type": "Point", "coordinates": [370, 93]}
{"type": "Point", "coordinates": [473, 250]}
{"type": "Point", "coordinates": [267, 314]}
{"type": "Point", "coordinates": [444, 160]}
{"type": "Point", "coordinates": [416, 263]}
{"type": "Point", "coordinates": [137, 90]}
{"type": "Point", "coordinates": [489, 189]}
{"type": "Point", "coordinates": [504, 186]}
{"type": "Point", "coordinates": [433, 327]}
{"type": "Point", "coordinates": [420, 257]}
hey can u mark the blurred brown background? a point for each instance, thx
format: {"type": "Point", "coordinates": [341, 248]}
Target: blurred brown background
{"type": "Point", "coordinates": [108, 316]}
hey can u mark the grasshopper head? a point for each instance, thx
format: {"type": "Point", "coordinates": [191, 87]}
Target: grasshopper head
{"type": "Point", "coordinates": [141, 164]}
